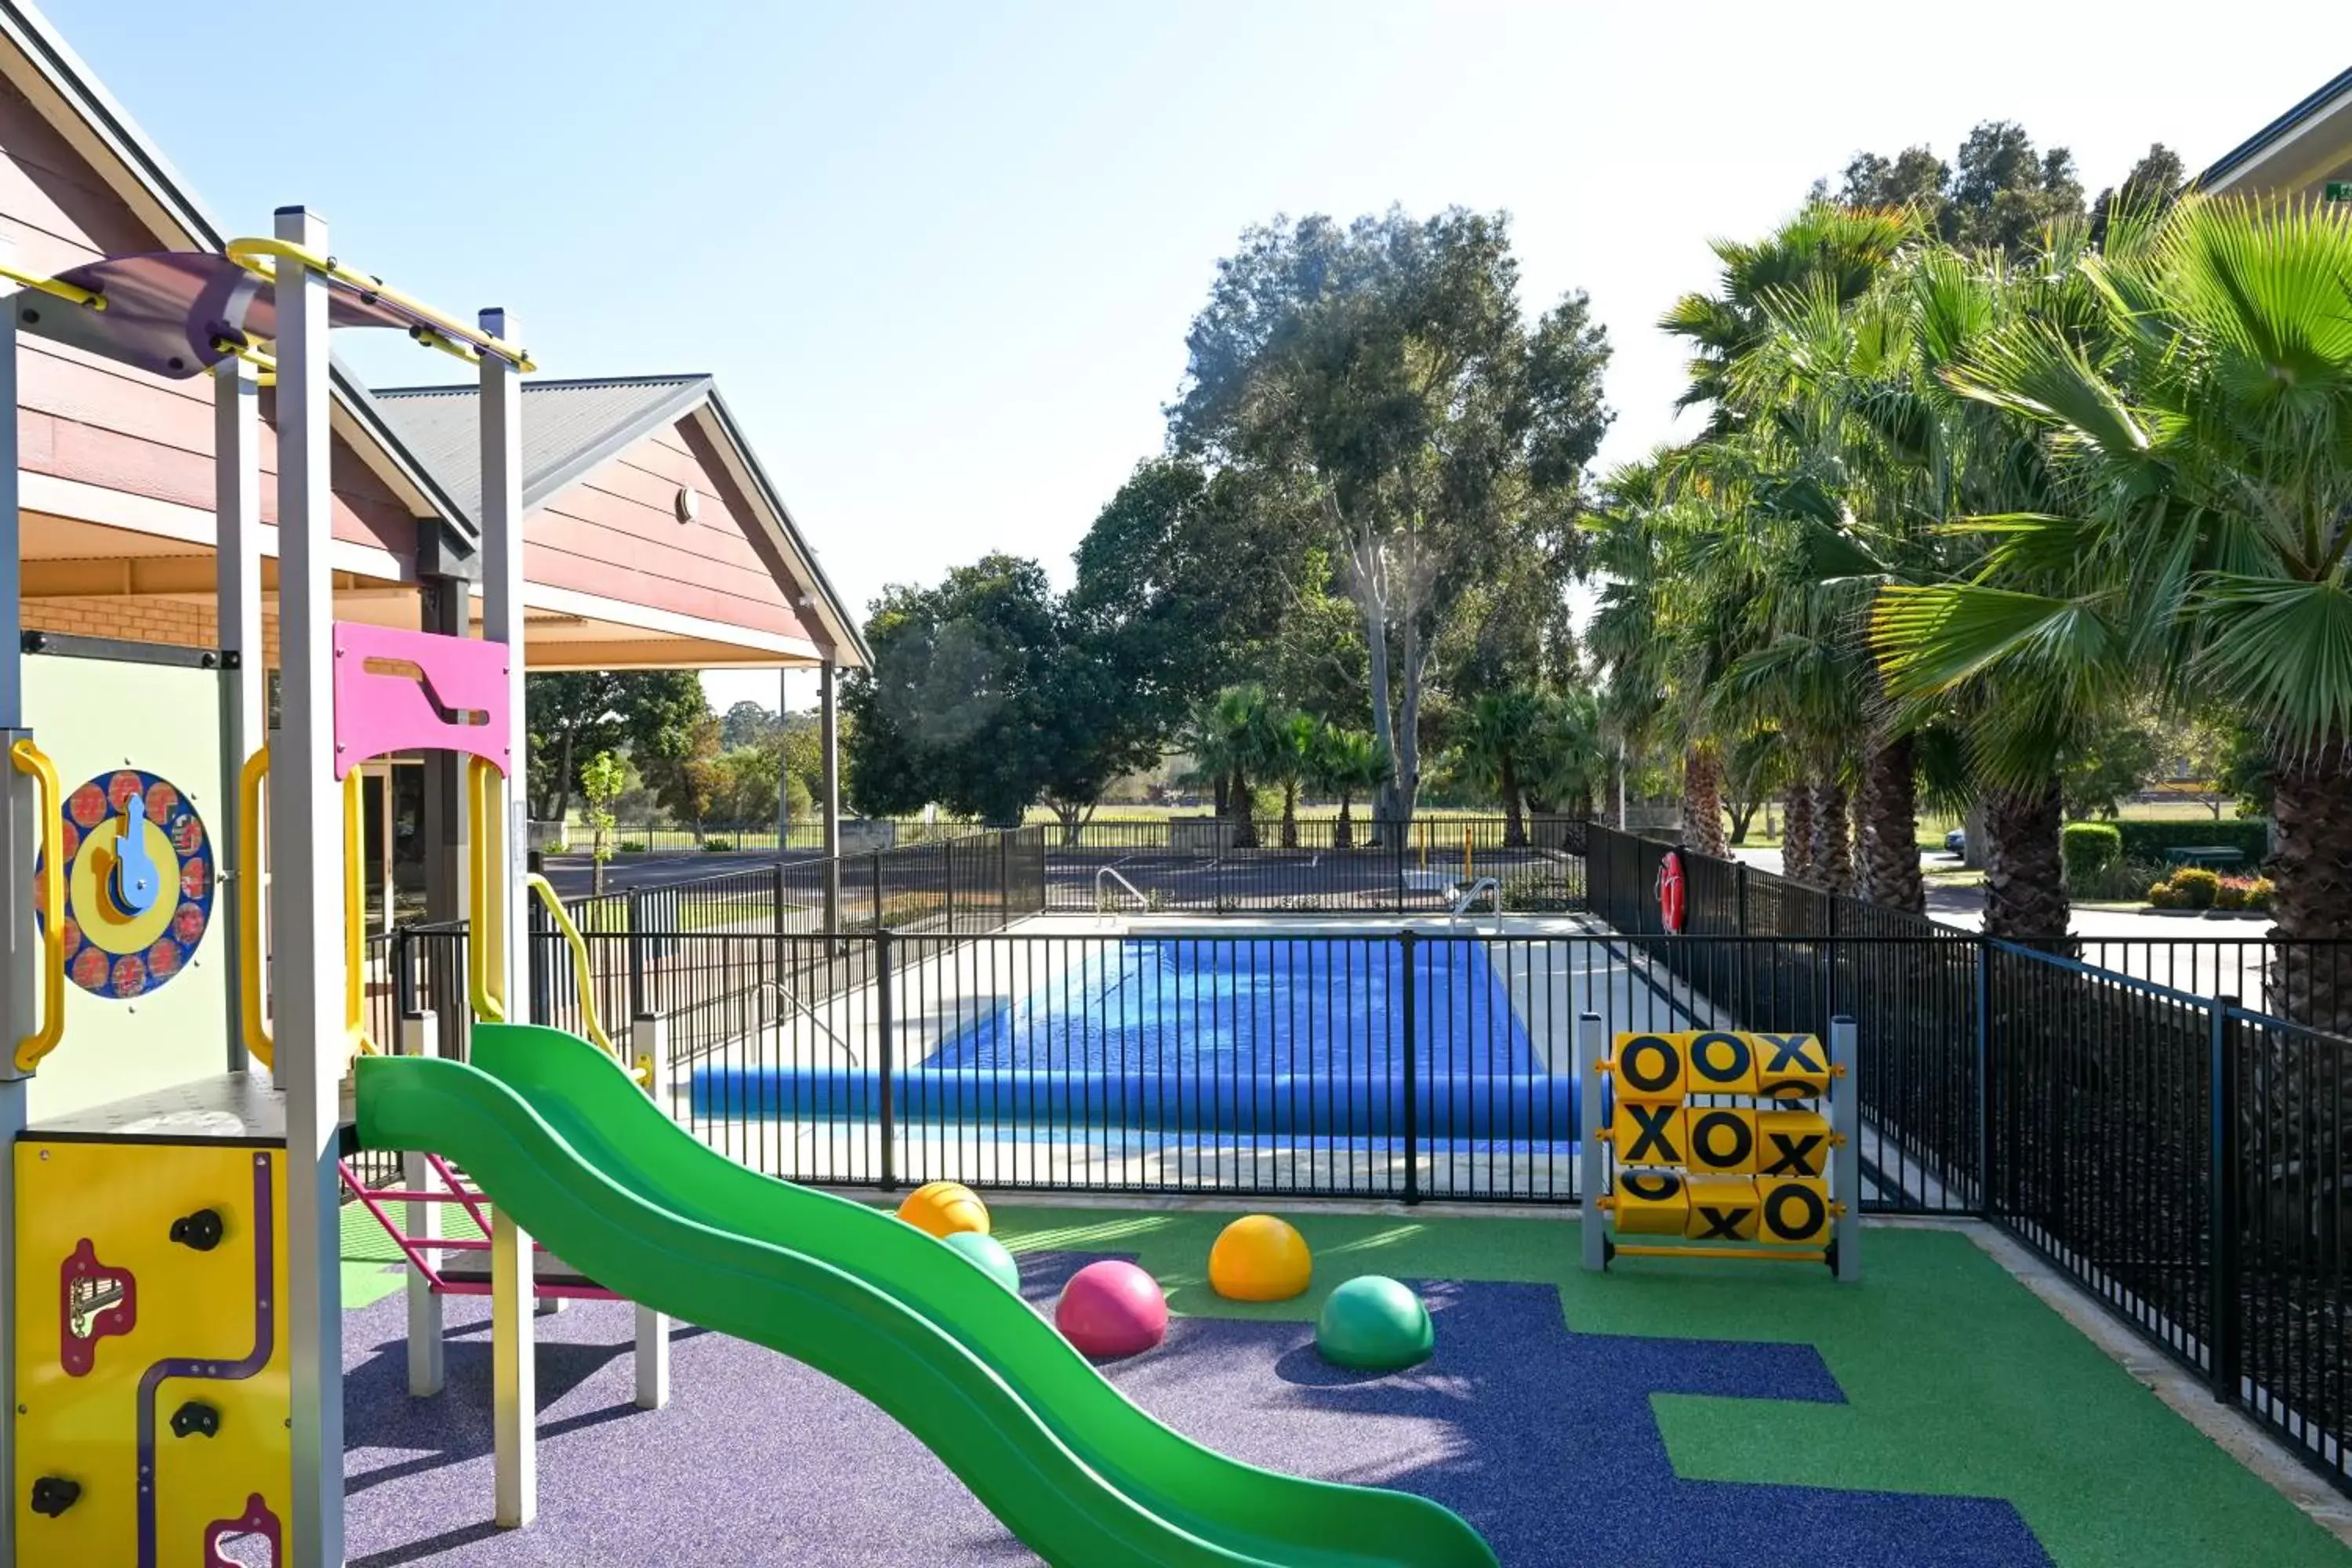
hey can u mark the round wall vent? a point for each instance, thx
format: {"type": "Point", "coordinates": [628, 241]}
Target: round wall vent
{"type": "Point", "coordinates": [686, 504]}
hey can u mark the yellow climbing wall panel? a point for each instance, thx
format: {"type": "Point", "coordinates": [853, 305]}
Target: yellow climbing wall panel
{"type": "Point", "coordinates": [151, 1350]}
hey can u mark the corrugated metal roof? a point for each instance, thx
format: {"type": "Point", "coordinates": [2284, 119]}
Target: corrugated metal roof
{"type": "Point", "coordinates": [568, 427]}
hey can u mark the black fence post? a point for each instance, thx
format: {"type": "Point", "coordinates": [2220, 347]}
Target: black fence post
{"type": "Point", "coordinates": [1004, 876]}
{"type": "Point", "coordinates": [885, 1057]}
{"type": "Point", "coordinates": [2223, 1185]}
{"type": "Point", "coordinates": [776, 881]}
{"type": "Point", "coordinates": [947, 864]}
{"type": "Point", "coordinates": [878, 921]}
{"type": "Point", "coordinates": [1407, 941]}
{"type": "Point", "coordinates": [543, 985]}
{"type": "Point", "coordinates": [1984, 1077]}
{"type": "Point", "coordinates": [404, 972]}
{"type": "Point", "coordinates": [636, 916]}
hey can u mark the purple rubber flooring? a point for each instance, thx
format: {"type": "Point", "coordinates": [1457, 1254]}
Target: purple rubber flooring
{"type": "Point", "coordinates": [1541, 1437]}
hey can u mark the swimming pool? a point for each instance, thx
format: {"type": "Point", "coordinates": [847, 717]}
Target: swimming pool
{"type": "Point", "coordinates": [1334, 1007]}
{"type": "Point", "coordinates": [1283, 1037]}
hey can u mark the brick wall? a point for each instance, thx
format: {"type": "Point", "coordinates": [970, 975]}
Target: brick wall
{"type": "Point", "coordinates": [137, 620]}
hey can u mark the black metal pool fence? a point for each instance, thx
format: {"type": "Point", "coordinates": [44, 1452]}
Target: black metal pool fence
{"type": "Point", "coordinates": [2183, 1156]}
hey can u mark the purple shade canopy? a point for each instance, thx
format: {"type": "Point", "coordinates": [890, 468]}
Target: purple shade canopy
{"type": "Point", "coordinates": [168, 312]}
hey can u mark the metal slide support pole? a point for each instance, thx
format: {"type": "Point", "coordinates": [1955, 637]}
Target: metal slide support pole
{"type": "Point", "coordinates": [829, 752]}
{"type": "Point", "coordinates": [427, 1362]}
{"type": "Point", "coordinates": [514, 1380]}
{"type": "Point", "coordinates": [1845, 1121]}
{"type": "Point", "coordinates": [649, 1036]}
{"type": "Point", "coordinates": [306, 911]}
{"type": "Point", "coordinates": [236, 502]}
{"type": "Point", "coordinates": [1591, 1154]}
{"type": "Point", "coordinates": [20, 985]}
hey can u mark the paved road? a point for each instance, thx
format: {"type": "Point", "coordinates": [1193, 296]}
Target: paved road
{"type": "Point", "coordinates": [573, 875]}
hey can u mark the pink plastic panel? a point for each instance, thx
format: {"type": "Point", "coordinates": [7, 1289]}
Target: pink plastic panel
{"type": "Point", "coordinates": [399, 691]}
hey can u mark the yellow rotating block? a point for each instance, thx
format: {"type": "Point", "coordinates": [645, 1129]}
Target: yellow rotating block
{"type": "Point", "coordinates": [1791, 1067]}
{"type": "Point", "coordinates": [1721, 1063]}
{"type": "Point", "coordinates": [1722, 1139]}
{"type": "Point", "coordinates": [1649, 1132]}
{"type": "Point", "coordinates": [1650, 1202]}
{"type": "Point", "coordinates": [1794, 1210]}
{"type": "Point", "coordinates": [1791, 1144]}
{"type": "Point", "coordinates": [1722, 1208]}
{"type": "Point", "coordinates": [1650, 1066]}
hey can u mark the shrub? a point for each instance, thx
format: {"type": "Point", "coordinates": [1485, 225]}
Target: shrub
{"type": "Point", "coordinates": [2196, 887]}
{"type": "Point", "coordinates": [716, 846]}
{"type": "Point", "coordinates": [2260, 892]}
{"type": "Point", "coordinates": [630, 847]}
{"type": "Point", "coordinates": [2232, 893]}
{"type": "Point", "coordinates": [2088, 848]}
{"type": "Point", "coordinates": [2119, 881]}
{"type": "Point", "coordinates": [2161, 895]}
{"type": "Point", "coordinates": [2149, 840]}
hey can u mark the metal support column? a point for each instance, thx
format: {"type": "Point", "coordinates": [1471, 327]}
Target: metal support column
{"type": "Point", "coordinates": [1845, 1122]}
{"type": "Point", "coordinates": [515, 1398]}
{"type": "Point", "coordinates": [427, 1363]}
{"type": "Point", "coordinates": [1592, 1155]}
{"type": "Point", "coordinates": [244, 662]}
{"type": "Point", "coordinates": [306, 912]}
{"type": "Point", "coordinates": [783, 774]}
{"type": "Point", "coordinates": [649, 1036]}
{"type": "Point", "coordinates": [829, 750]}
{"type": "Point", "coordinates": [20, 987]}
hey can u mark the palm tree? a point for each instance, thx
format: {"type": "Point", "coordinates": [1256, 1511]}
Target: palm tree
{"type": "Point", "coordinates": [1232, 737]}
{"type": "Point", "coordinates": [2205, 528]}
{"type": "Point", "coordinates": [1496, 730]}
{"type": "Point", "coordinates": [1290, 760]}
{"type": "Point", "coordinates": [1346, 763]}
{"type": "Point", "coordinates": [1565, 762]}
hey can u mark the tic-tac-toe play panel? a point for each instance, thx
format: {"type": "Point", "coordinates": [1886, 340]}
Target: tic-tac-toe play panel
{"type": "Point", "coordinates": [152, 1364]}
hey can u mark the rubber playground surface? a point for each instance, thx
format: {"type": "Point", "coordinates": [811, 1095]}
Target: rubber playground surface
{"type": "Point", "coordinates": [1937, 1414]}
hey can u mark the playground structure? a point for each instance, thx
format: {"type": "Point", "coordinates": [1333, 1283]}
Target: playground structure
{"type": "Point", "coordinates": [1721, 1140]}
{"type": "Point", "coordinates": [171, 1285]}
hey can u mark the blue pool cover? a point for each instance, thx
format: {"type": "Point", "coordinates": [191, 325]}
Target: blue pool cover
{"type": "Point", "coordinates": [1285, 1039]}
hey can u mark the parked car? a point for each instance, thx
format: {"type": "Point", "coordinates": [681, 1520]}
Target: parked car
{"type": "Point", "coordinates": [1956, 842]}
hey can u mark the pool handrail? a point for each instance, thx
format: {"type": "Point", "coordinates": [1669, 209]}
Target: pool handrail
{"type": "Point", "coordinates": [792, 1001]}
{"type": "Point", "coordinates": [1493, 890]}
{"type": "Point", "coordinates": [1111, 873]}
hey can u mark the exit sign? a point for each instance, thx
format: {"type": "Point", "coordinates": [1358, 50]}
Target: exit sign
{"type": "Point", "coordinates": [2339, 190]}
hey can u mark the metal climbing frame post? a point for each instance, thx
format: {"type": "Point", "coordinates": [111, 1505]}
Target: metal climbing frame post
{"type": "Point", "coordinates": [515, 1384]}
{"type": "Point", "coordinates": [1592, 1155]}
{"type": "Point", "coordinates": [305, 917]}
{"type": "Point", "coordinates": [236, 502]}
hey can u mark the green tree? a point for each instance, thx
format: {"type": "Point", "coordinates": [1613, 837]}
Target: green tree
{"type": "Point", "coordinates": [2209, 520]}
{"type": "Point", "coordinates": [601, 779]}
{"type": "Point", "coordinates": [573, 716]}
{"type": "Point", "coordinates": [2001, 197]}
{"type": "Point", "coordinates": [1381, 373]}
{"type": "Point", "coordinates": [985, 695]}
{"type": "Point", "coordinates": [1497, 730]}
{"type": "Point", "coordinates": [1345, 764]}
{"type": "Point", "coordinates": [745, 724]}
{"type": "Point", "coordinates": [1234, 737]}
{"type": "Point", "coordinates": [672, 736]}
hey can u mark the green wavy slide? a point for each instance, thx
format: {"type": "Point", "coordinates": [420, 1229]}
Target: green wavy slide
{"type": "Point", "coordinates": [558, 1135]}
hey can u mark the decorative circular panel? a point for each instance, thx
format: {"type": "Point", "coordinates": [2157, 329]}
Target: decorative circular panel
{"type": "Point", "coordinates": [138, 883]}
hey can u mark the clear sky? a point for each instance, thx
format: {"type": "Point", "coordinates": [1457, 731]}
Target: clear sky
{"type": "Point", "coordinates": [941, 257]}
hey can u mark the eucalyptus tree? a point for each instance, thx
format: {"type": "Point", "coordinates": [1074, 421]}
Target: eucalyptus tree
{"type": "Point", "coordinates": [1382, 371]}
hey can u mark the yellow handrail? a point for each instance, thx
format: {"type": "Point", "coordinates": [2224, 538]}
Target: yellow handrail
{"type": "Point", "coordinates": [251, 253]}
{"type": "Point", "coordinates": [30, 759]}
{"type": "Point", "coordinates": [249, 838]}
{"type": "Point", "coordinates": [580, 968]}
{"type": "Point", "coordinates": [55, 288]}
{"type": "Point", "coordinates": [356, 1035]}
{"type": "Point", "coordinates": [485, 929]}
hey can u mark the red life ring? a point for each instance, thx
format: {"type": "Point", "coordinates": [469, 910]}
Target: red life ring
{"type": "Point", "coordinates": [1672, 900]}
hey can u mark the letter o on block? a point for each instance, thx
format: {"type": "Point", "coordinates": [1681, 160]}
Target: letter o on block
{"type": "Point", "coordinates": [1649, 1067]}
{"type": "Point", "coordinates": [1722, 1139]}
{"type": "Point", "coordinates": [1651, 1203]}
{"type": "Point", "coordinates": [1721, 1063]}
{"type": "Point", "coordinates": [1795, 1211]}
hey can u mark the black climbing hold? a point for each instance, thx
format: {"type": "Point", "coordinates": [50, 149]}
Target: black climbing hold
{"type": "Point", "coordinates": [201, 1230]}
{"type": "Point", "coordinates": [195, 1419]}
{"type": "Point", "coordinates": [52, 1494]}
